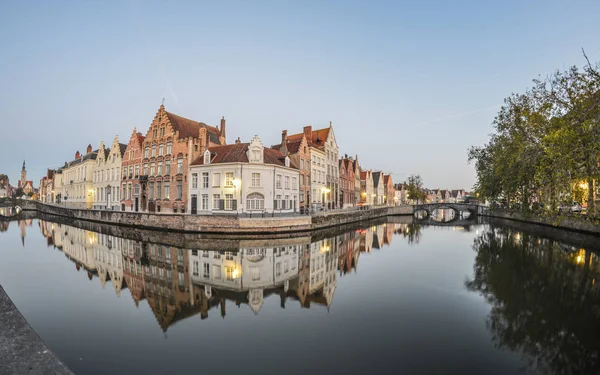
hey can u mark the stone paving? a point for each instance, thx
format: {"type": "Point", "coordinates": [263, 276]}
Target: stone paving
{"type": "Point", "coordinates": [22, 351]}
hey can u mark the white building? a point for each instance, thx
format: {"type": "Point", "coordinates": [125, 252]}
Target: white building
{"type": "Point", "coordinates": [379, 188]}
{"type": "Point", "coordinates": [76, 189]}
{"type": "Point", "coordinates": [243, 178]}
{"type": "Point", "coordinates": [107, 176]}
{"type": "Point", "coordinates": [109, 260]}
{"type": "Point", "coordinates": [318, 173]}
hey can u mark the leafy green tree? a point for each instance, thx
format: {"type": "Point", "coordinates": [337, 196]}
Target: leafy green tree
{"type": "Point", "coordinates": [415, 188]}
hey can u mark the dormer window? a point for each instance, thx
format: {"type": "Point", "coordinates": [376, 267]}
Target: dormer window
{"type": "Point", "coordinates": [207, 157]}
{"type": "Point", "coordinates": [287, 161]}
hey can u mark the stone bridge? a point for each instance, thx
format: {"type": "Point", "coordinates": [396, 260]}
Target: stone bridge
{"type": "Point", "coordinates": [471, 208]}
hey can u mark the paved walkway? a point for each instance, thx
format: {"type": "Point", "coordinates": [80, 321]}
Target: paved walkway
{"type": "Point", "coordinates": [21, 349]}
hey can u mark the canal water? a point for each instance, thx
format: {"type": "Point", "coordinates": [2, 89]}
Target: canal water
{"type": "Point", "coordinates": [384, 297]}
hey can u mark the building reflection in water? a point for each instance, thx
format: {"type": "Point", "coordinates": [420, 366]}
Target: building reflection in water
{"type": "Point", "coordinates": [549, 306]}
{"type": "Point", "coordinates": [178, 283]}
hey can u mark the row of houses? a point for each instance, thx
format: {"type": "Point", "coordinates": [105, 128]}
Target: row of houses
{"type": "Point", "coordinates": [184, 166]}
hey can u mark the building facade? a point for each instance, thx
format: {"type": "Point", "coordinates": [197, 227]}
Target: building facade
{"type": "Point", "coordinates": [378, 187]}
{"type": "Point", "coordinates": [347, 182]}
{"type": "Point", "coordinates": [389, 191]}
{"type": "Point", "coordinates": [107, 177]}
{"type": "Point", "coordinates": [77, 176]}
{"type": "Point", "coordinates": [170, 145]}
{"type": "Point", "coordinates": [367, 190]}
{"type": "Point", "coordinates": [318, 176]}
{"type": "Point", "coordinates": [296, 147]}
{"type": "Point", "coordinates": [243, 178]}
{"type": "Point", "coordinates": [133, 184]}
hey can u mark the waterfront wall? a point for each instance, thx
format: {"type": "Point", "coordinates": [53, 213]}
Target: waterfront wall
{"type": "Point", "coordinates": [217, 223]}
{"type": "Point", "coordinates": [578, 224]}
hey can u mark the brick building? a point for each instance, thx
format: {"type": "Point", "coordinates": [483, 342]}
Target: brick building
{"type": "Point", "coordinates": [171, 144]}
{"type": "Point", "coordinates": [296, 147]}
{"type": "Point", "coordinates": [133, 186]}
{"type": "Point", "coordinates": [347, 182]}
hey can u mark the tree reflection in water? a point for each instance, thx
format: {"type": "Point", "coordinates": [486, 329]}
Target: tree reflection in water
{"type": "Point", "coordinates": [545, 299]}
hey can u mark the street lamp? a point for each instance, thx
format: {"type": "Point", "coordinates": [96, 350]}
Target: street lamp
{"type": "Point", "coordinates": [325, 191]}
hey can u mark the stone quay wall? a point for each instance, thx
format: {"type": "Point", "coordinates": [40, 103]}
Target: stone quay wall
{"type": "Point", "coordinates": [217, 223]}
{"type": "Point", "coordinates": [578, 224]}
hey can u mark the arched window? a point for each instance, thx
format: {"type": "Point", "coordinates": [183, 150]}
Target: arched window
{"type": "Point", "coordinates": [255, 201]}
{"type": "Point", "coordinates": [207, 157]}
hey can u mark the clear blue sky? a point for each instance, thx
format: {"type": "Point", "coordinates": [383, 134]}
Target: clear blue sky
{"type": "Point", "coordinates": [409, 86]}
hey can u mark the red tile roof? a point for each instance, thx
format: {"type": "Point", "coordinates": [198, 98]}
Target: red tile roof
{"type": "Point", "coordinates": [237, 153]}
{"type": "Point", "coordinates": [320, 134]}
{"type": "Point", "coordinates": [292, 146]}
{"type": "Point", "coordinates": [190, 128]}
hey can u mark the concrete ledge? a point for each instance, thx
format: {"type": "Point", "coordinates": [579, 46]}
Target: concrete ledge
{"type": "Point", "coordinates": [21, 349]}
{"type": "Point", "coordinates": [561, 222]}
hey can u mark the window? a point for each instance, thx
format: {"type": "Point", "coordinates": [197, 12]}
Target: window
{"type": "Point", "coordinates": [207, 157]}
{"type": "Point", "coordinates": [180, 165]}
{"type": "Point", "coordinates": [228, 179]}
{"type": "Point", "coordinates": [145, 170]}
{"type": "Point", "coordinates": [216, 180]}
{"type": "Point", "coordinates": [146, 152]}
{"type": "Point", "coordinates": [124, 195]}
{"type": "Point", "coordinates": [168, 167]}
{"type": "Point", "coordinates": [158, 190]}
{"type": "Point", "coordinates": [151, 169]}
{"type": "Point", "coordinates": [169, 148]}
{"type": "Point", "coordinates": [255, 201]}
{"type": "Point", "coordinates": [288, 203]}
{"type": "Point", "coordinates": [204, 202]}
{"type": "Point", "coordinates": [278, 202]}
{"type": "Point", "coordinates": [159, 172]}
{"type": "Point", "coordinates": [229, 201]}
{"type": "Point", "coordinates": [278, 181]}
{"type": "Point", "coordinates": [154, 149]}
{"type": "Point", "coordinates": [151, 190]}
{"type": "Point", "coordinates": [194, 180]}
{"type": "Point", "coordinates": [154, 132]}
{"type": "Point", "coordinates": [161, 147]}
{"type": "Point", "coordinates": [217, 274]}
{"type": "Point", "coordinates": [206, 270]}
{"type": "Point", "coordinates": [229, 273]}
{"type": "Point", "coordinates": [167, 190]}
{"type": "Point", "coordinates": [179, 189]}
{"type": "Point", "coordinates": [278, 269]}
{"type": "Point", "coordinates": [205, 180]}
{"type": "Point", "coordinates": [195, 268]}
{"type": "Point", "coordinates": [137, 170]}
{"type": "Point", "coordinates": [136, 190]}
{"type": "Point", "coordinates": [287, 182]}
{"type": "Point", "coordinates": [162, 131]}
{"type": "Point", "coordinates": [301, 163]}
{"type": "Point", "coordinates": [255, 179]}
{"type": "Point", "coordinates": [128, 191]}
{"type": "Point", "coordinates": [216, 199]}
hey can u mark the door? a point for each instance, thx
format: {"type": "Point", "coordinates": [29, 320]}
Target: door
{"type": "Point", "coordinates": [136, 204]}
{"type": "Point", "coordinates": [194, 209]}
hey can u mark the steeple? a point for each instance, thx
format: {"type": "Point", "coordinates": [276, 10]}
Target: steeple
{"type": "Point", "coordinates": [23, 175]}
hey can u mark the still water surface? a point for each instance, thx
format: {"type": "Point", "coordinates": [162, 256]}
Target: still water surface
{"type": "Point", "coordinates": [383, 298]}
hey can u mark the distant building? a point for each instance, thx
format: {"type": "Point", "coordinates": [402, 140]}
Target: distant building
{"type": "Point", "coordinates": [348, 180]}
{"type": "Point", "coordinates": [77, 180]}
{"type": "Point", "coordinates": [297, 148]}
{"type": "Point", "coordinates": [367, 190]}
{"type": "Point", "coordinates": [24, 183]}
{"type": "Point", "coordinates": [379, 189]}
{"type": "Point", "coordinates": [107, 177]}
{"type": "Point", "coordinates": [389, 191]}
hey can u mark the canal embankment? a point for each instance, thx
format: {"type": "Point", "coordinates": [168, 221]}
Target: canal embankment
{"type": "Point", "coordinates": [578, 223]}
{"type": "Point", "coordinates": [224, 224]}
{"type": "Point", "coordinates": [22, 351]}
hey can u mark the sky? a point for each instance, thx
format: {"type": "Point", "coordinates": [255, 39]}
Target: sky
{"type": "Point", "coordinates": [408, 85]}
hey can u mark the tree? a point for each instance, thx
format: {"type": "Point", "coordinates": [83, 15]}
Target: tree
{"type": "Point", "coordinates": [18, 193]}
{"type": "Point", "coordinates": [415, 188]}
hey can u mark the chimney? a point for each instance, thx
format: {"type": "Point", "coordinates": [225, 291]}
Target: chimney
{"type": "Point", "coordinates": [283, 137]}
{"type": "Point", "coordinates": [237, 141]}
{"type": "Point", "coordinates": [308, 133]}
{"type": "Point", "coordinates": [223, 127]}
{"type": "Point", "coordinates": [77, 155]}
{"type": "Point", "coordinates": [89, 149]}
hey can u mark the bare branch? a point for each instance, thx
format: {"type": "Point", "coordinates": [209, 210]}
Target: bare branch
{"type": "Point", "coordinates": [590, 67]}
